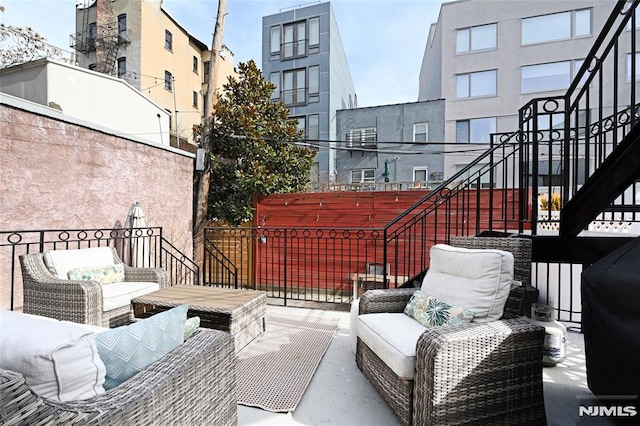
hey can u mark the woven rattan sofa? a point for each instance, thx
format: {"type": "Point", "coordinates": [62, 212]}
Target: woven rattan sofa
{"type": "Point", "coordinates": [47, 294]}
{"type": "Point", "coordinates": [195, 384]}
{"type": "Point", "coordinates": [479, 373]}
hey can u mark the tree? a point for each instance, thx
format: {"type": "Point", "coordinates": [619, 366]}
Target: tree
{"type": "Point", "coordinates": [253, 147]}
{"type": "Point", "coordinates": [22, 44]}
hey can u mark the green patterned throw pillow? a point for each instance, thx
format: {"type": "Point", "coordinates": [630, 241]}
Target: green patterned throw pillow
{"type": "Point", "coordinates": [105, 274]}
{"type": "Point", "coordinates": [431, 312]}
{"type": "Point", "coordinates": [191, 326]}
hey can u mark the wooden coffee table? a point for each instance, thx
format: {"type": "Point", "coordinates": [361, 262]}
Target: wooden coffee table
{"type": "Point", "coordinates": [239, 312]}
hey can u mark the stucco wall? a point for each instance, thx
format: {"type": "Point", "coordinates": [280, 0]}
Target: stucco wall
{"type": "Point", "coordinates": [59, 173]}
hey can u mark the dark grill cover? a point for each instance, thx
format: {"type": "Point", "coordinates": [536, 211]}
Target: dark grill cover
{"type": "Point", "coordinates": [611, 322]}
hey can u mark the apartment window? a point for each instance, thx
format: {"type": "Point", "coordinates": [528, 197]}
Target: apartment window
{"type": "Point", "coordinates": [363, 176]}
{"type": "Point", "coordinates": [195, 99]}
{"type": "Point", "coordinates": [205, 71]}
{"type": "Point", "coordinates": [314, 84]}
{"type": "Point", "coordinates": [542, 77]}
{"type": "Point", "coordinates": [314, 35]}
{"type": "Point", "coordinates": [294, 40]}
{"type": "Point", "coordinates": [477, 130]}
{"type": "Point", "coordinates": [483, 83]}
{"type": "Point", "coordinates": [122, 67]}
{"type": "Point", "coordinates": [313, 133]}
{"type": "Point", "coordinates": [274, 78]}
{"type": "Point", "coordinates": [92, 35]}
{"type": "Point", "coordinates": [294, 87]}
{"type": "Point", "coordinates": [420, 174]}
{"type": "Point", "coordinates": [420, 132]}
{"type": "Point", "coordinates": [362, 136]}
{"type": "Point", "coordinates": [557, 26]}
{"type": "Point", "coordinates": [633, 60]}
{"type": "Point", "coordinates": [168, 40]}
{"type": "Point", "coordinates": [168, 81]}
{"type": "Point", "coordinates": [483, 37]}
{"type": "Point", "coordinates": [275, 40]}
{"type": "Point", "coordinates": [122, 28]}
{"type": "Point", "coordinates": [302, 124]}
{"type": "Point", "coordinates": [195, 64]}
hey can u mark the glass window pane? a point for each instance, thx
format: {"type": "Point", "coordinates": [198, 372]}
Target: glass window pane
{"type": "Point", "coordinates": [637, 65]}
{"type": "Point", "coordinates": [546, 28]}
{"type": "Point", "coordinates": [483, 37]}
{"type": "Point", "coordinates": [483, 83]}
{"type": "Point", "coordinates": [275, 79]}
{"type": "Point", "coordinates": [554, 76]}
{"type": "Point", "coordinates": [314, 80]}
{"type": "Point", "coordinates": [301, 39]}
{"type": "Point", "coordinates": [314, 127]}
{"type": "Point", "coordinates": [314, 31]}
{"type": "Point", "coordinates": [481, 128]}
{"type": "Point", "coordinates": [462, 86]}
{"type": "Point", "coordinates": [462, 42]}
{"type": "Point", "coordinates": [288, 41]}
{"type": "Point", "coordinates": [583, 22]}
{"type": "Point", "coordinates": [420, 132]}
{"type": "Point", "coordinates": [462, 131]}
{"type": "Point", "coordinates": [301, 124]}
{"type": "Point", "coordinates": [275, 39]}
{"type": "Point", "coordinates": [420, 175]}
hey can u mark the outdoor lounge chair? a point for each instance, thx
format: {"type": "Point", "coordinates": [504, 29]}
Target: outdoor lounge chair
{"type": "Point", "coordinates": [484, 373]}
{"type": "Point", "coordinates": [49, 292]}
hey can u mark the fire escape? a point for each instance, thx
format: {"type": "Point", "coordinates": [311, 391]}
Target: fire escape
{"type": "Point", "coordinates": [103, 37]}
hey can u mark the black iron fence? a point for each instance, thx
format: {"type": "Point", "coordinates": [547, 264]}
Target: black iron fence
{"type": "Point", "coordinates": [138, 247]}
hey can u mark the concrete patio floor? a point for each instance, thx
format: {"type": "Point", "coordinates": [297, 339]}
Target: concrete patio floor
{"type": "Point", "coordinates": [339, 394]}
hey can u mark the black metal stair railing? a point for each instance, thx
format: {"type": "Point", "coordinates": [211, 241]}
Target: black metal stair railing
{"type": "Point", "coordinates": [575, 142]}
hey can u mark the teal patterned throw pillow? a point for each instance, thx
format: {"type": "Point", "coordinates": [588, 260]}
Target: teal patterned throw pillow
{"type": "Point", "coordinates": [105, 274]}
{"type": "Point", "coordinates": [431, 312]}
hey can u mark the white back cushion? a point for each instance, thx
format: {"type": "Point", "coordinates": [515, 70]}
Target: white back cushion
{"type": "Point", "coordinates": [62, 261]}
{"type": "Point", "coordinates": [477, 279]}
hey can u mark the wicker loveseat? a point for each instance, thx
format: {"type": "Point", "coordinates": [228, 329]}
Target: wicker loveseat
{"type": "Point", "coordinates": [49, 292]}
{"type": "Point", "coordinates": [195, 384]}
{"type": "Point", "coordinates": [478, 373]}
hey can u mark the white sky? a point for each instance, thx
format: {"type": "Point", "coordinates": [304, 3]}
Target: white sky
{"type": "Point", "coordinates": [384, 40]}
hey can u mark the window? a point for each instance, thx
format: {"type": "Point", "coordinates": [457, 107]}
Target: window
{"type": "Point", "coordinates": [365, 136]}
{"type": "Point", "coordinates": [195, 64]}
{"type": "Point", "coordinates": [314, 84]}
{"type": "Point", "coordinates": [314, 127]}
{"type": "Point", "coordinates": [483, 83]}
{"type": "Point", "coordinates": [195, 99]}
{"type": "Point", "coordinates": [168, 81]}
{"type": "Point", "coordinates": [122, 67]}
{"type": "Point", "coordinates": [302, 124]}
{"type": "Point", "coordinates": [482, 37]}
{"type": "Point", "coordinates": [275, 41]}
{"type": "Point", "coordinates": [363, 176]}
{"type": "Point", "coordinates": [635, 61]}
{"type": "Point", "coordinates": [92, 35]}
{"type": "Point", "coordinates": [420, 132]}
{"type": "Point", "coordinates": [542, 77]}
{"type": "Point", "coordinates": [476, 130]}
{"type": "Point", "coordinates": [205, 71]}
{"type": "Point", "coordinates": [294, 87]}
{"type": "Point", "coordinates": [558, 26]}
{"type": "Point", "coordinates": [295, 40]}
{"type": "Point", "coordinates": [168, 40]}
{"type": "Point", "coordinates": [122, 28]}
{"type": "Point", "coordinates": [314, 35]}
{"type": "Point", "coordinates": [420, 174]}
{"type": "Point", "coordinates": [274, 77]}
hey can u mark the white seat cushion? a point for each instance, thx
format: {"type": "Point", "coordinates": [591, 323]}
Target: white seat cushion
{"type": "Point", "coordinates": [62, 261]}
{"type": "Point", "coordinates": [117, 295]}
{"type": "Point", "coordinates": [393, 337]}
{"type": "Point", "coordinates": [476, 279]}
{"type": "Point", "coordinates": [58, 360]}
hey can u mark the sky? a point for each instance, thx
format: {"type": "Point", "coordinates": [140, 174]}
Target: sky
{"type": "Point", "coordinates": [384, 40]}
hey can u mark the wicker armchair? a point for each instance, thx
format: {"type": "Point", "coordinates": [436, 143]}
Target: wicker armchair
{"type": "Point", "coordinates": [77, 301]}
{"type": "Point", "coordinates": [489, 373]}
{"type": "Point", "coordinates": [195, 384]}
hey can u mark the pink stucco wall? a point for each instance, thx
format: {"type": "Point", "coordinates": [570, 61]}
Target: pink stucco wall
{"type": "Point", "coordinates": [55, 174]}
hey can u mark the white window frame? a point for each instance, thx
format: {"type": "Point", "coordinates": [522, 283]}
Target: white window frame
{"type": "Point", "coordinates": [465, 38]}
{"type": "Point", "coordinates": [362, 176]}
{"type": "Point", "coordinates": [424, 169]}
{"type": "Point", "coordinates": [416, 127]}
{"type": "Point", "coordinates": [468, 85]}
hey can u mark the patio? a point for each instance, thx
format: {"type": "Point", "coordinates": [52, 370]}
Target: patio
{"type": "Point", "coordinates": [339, 394]}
